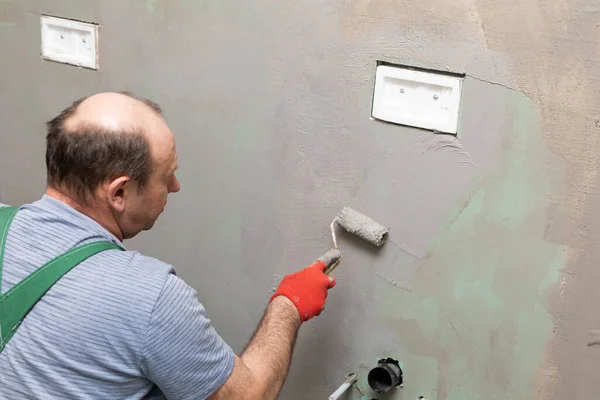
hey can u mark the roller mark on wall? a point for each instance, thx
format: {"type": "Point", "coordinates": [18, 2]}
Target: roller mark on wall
{"type": "Point", "coordinates": [454, 145]}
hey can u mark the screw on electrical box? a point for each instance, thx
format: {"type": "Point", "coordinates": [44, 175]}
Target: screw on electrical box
{"type": "Point", "coordinates": [402, 90]}
{"type": "Point", "coordinates": [435, 97]}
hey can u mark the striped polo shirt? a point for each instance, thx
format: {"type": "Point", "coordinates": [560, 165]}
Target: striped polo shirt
{"type": "Point", "coordinates": [120, 325]}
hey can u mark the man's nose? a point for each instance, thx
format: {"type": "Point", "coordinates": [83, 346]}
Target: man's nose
{"type": "Point", "coordinates": [175, 186]}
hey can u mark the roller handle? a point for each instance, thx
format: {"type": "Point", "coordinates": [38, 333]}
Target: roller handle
{"type": "Point", "coordinates": [331, 259]}
{"type": "Point", "coordinates": [331, 267]}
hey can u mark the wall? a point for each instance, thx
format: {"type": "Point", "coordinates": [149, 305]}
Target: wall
{"type": "Point", "coordinates": [487, 288]}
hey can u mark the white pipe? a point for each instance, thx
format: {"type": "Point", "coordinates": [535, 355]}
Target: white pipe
{"type": "Point", "coordinates": [340, 391]}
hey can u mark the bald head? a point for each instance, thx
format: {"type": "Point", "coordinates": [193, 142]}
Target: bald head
{"type": "Point", "coordinates": [103, 136]}
{"type": "Point", "coordinates": [113, 112]}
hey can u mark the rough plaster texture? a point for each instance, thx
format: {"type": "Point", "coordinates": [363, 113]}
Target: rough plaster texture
{"type": "Point", "coordinates": [487, 287]}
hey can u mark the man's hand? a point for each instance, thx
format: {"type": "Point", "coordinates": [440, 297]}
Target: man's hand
{"type": "Point", "coordinates": [307, 289]}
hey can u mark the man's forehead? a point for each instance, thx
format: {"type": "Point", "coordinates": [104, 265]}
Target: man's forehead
{"type": "Point", "coordinates": [163, 147]}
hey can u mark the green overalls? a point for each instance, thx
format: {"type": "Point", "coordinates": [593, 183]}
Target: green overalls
{"type": "Point", "coordinates": [22, 297]}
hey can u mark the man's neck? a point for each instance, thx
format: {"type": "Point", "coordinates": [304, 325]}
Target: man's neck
{"type": "Point", "coordinates": [98, 215]}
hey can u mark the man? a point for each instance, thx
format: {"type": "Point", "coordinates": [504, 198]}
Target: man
{"type": "Point", "coordinates": [121, 325]}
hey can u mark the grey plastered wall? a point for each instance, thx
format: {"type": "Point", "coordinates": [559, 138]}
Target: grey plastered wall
{"type": "Point", "coordinates": [488, 284]}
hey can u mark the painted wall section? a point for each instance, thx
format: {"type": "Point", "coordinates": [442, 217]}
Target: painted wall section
{"type": "Point", "coordinates": [483, 290]}
{"type": "Point", "coordinates": [475, 319]}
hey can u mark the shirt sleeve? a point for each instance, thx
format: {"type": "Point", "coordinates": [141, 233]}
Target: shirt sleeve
{"type": "Point", "coordinates": [183, 354]}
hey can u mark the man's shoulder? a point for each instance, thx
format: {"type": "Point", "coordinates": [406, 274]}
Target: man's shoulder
{"type": "Point", "coordinates": [119, 279]}
{"type": "Point", "coordinates": [132, 276]}
{"type": "Point", "coordinates": [139, 264]}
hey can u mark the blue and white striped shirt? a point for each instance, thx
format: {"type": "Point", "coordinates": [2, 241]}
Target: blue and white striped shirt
{"type": "Point", "coordinates": [118, 326]}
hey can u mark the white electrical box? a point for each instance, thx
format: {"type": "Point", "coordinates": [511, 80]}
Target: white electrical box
{"type": "Point", "coordinates": [70, 42]}
{"type": "Point", "coordinates": [417, 98]}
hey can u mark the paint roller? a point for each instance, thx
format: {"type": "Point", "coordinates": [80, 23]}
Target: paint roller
{"type": "Point", "coordinates": [356, 224]}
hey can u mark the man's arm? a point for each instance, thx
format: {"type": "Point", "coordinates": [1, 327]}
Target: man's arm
{"type": "Point", "coordinates": [263, 367]}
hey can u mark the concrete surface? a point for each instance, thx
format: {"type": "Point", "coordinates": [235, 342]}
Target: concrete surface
{"type": "Point", "coordinates": [487, 288]}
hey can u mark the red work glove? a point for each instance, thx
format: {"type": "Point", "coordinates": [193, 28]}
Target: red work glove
{"type": "Point", "coordinates": [307, 289]}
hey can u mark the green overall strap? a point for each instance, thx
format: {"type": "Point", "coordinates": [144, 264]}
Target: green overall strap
{"type": "Point", "coordinates": [22, 297]}
{"type": "Point", "coordinates": [6, 216]}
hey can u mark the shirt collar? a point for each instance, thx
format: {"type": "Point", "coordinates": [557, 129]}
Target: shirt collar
{"type": "Point", "coordinates": [70, 215]}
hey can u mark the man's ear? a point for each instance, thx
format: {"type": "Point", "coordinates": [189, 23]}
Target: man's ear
{"type": "Point", "coordinates": [116, 193]}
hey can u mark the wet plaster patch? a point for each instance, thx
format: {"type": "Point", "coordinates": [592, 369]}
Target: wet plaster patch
{"type": "Point", "coordinates": [423, 185]}
{"type": "Point", "coordinates": [479, 296]}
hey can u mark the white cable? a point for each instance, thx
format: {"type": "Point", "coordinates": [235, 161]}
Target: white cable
{"type": "Point", "coordinates": [350, 379]}
{"type": "Point", "coordinates": [340, 391]}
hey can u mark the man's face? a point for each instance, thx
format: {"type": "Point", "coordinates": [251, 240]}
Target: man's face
{"type": "Point", "coordinates": [145, 206]}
